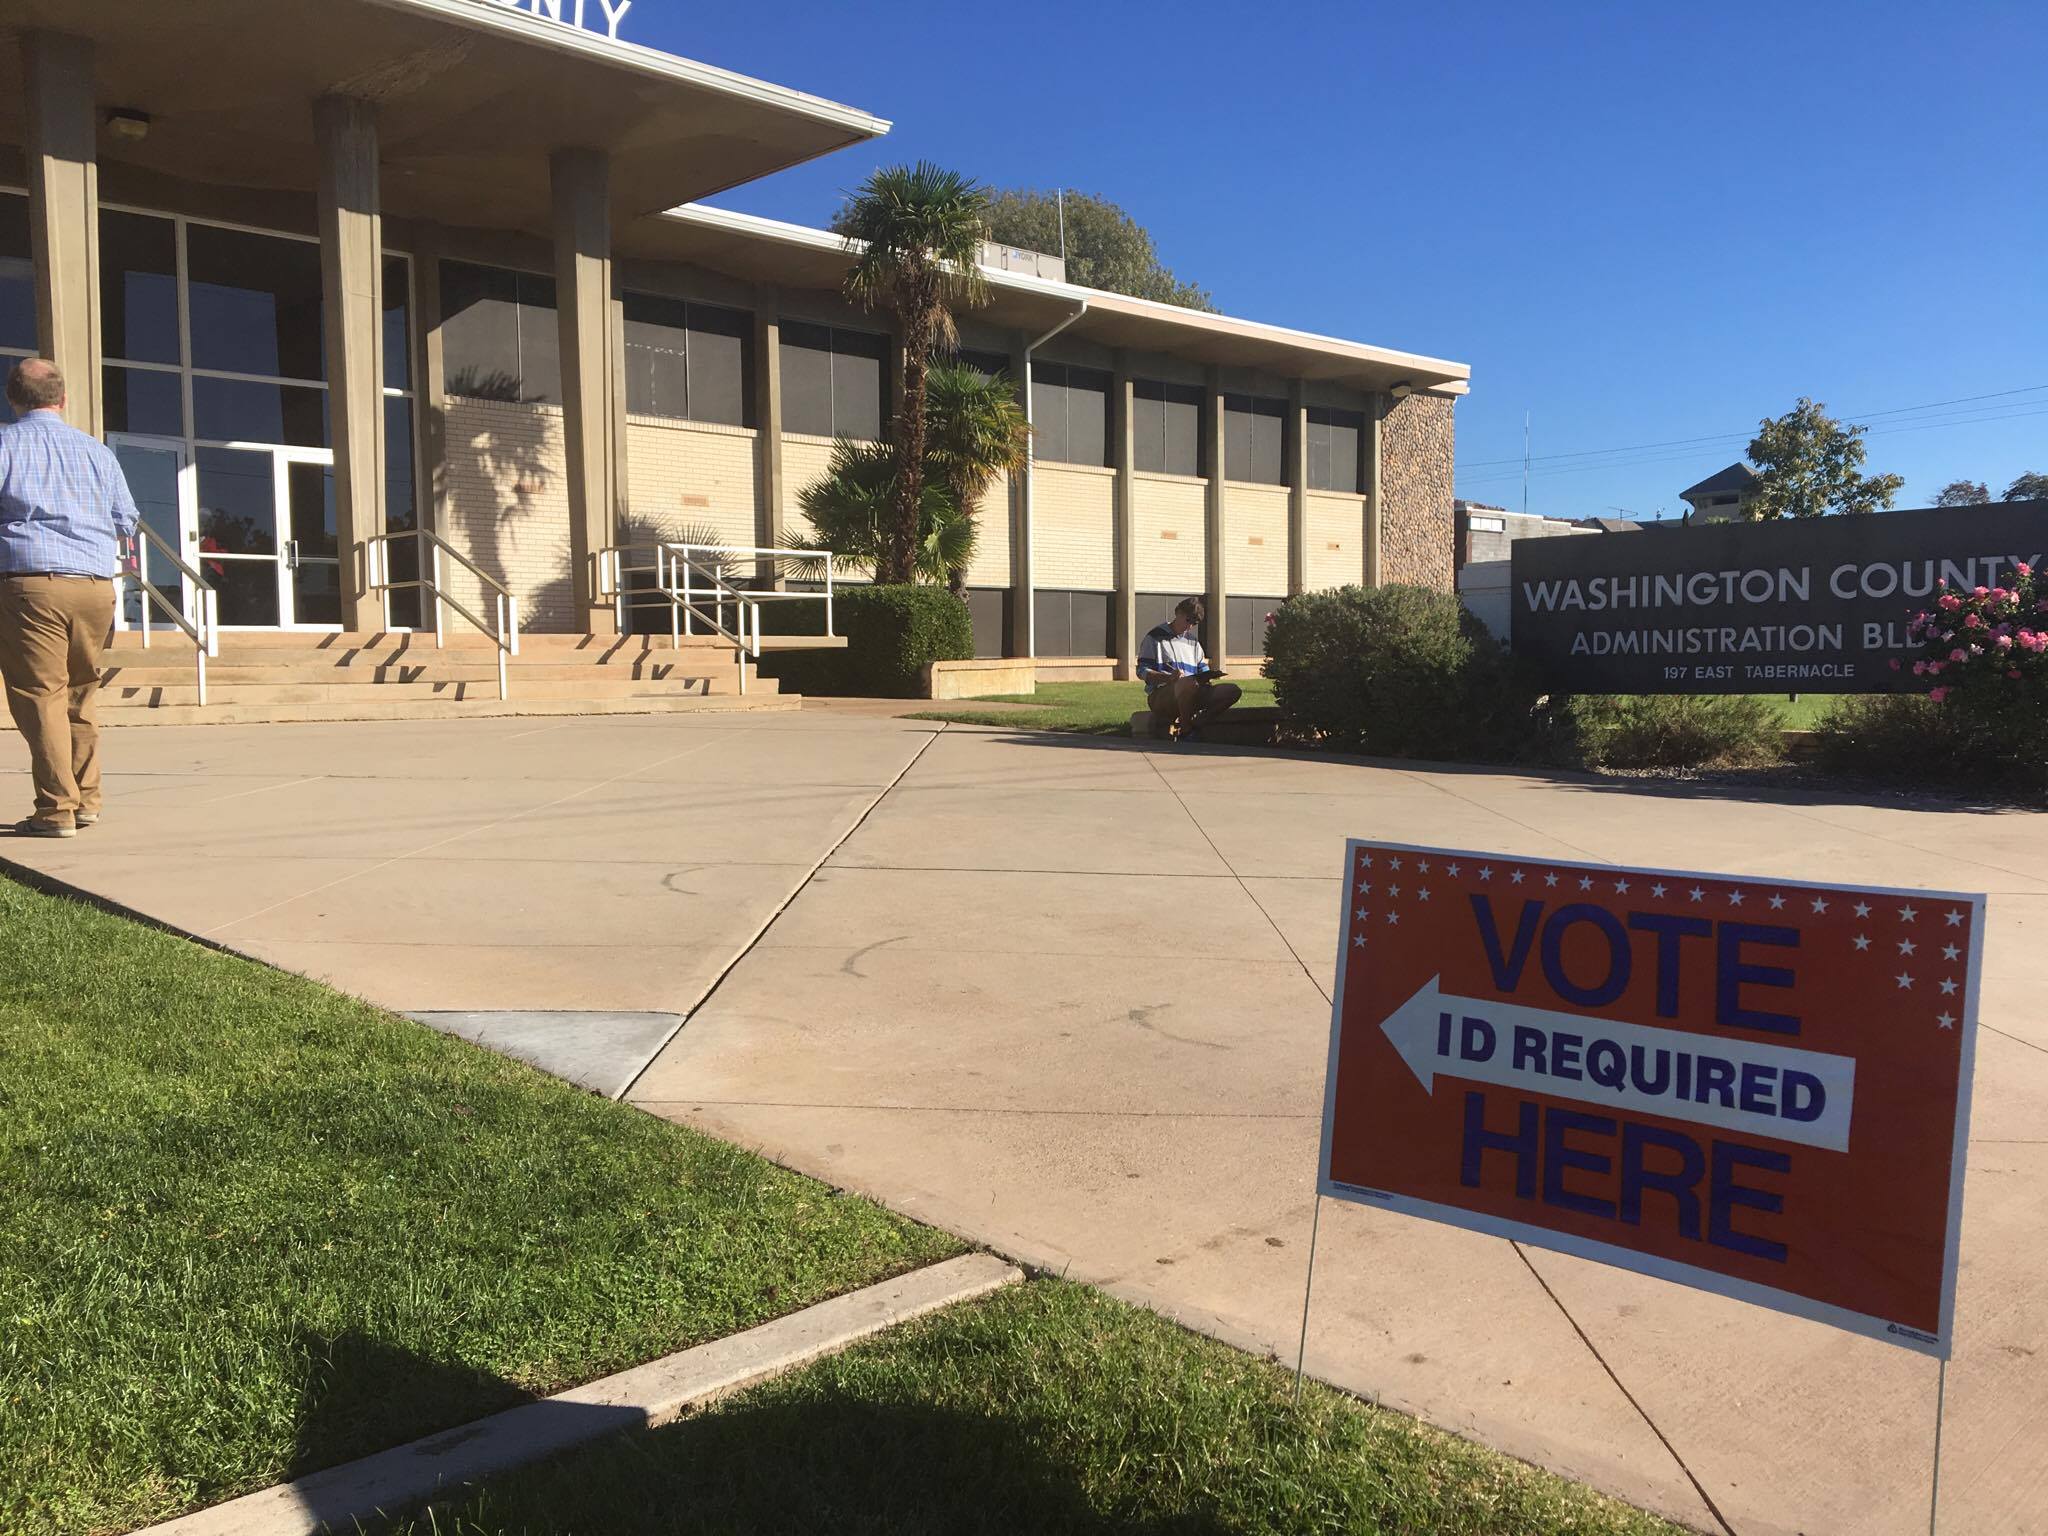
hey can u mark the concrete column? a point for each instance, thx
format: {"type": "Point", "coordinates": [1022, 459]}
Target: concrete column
{"type": "Point", "coordinates": [352, 299]}
{"type": "Point", "coordinates": [430, 381]}
{"type": "Point", "coordinates": [583, 303]}
{"type": "Point", "coordinates": [1217, 637]}
{"type": "Point", "coordinates": [1022, 582]}
{"type": "Point", "coordinates": [1296, 448]}
{"type": "Point", "coordinates": [64, 215]}
{"type": "Point", "coordinates": [1375, 421]}
{"type": "Point", "coordinates": [770, 513]}
{"type": "Point", "coordinates": [1123, 456]}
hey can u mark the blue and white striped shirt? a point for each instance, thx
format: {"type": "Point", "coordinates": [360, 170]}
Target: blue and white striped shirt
{"type": "Point", "coordinates": [64, 503]}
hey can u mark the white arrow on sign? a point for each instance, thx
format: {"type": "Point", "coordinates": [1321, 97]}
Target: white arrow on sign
{"type": "Point", "coordinates": [1791, 1094]}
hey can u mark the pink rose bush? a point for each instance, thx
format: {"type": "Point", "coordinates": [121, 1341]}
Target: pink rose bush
{"type": "Point", "coordinates": [1984, 641]}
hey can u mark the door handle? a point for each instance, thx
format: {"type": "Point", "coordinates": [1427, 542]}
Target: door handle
{"type": "Point", "coordinates": [291, 554]}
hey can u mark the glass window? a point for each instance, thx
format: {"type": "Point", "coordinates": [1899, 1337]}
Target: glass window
{"type": "Point", "coordinates": [238, 517]}
{"type": "Point", "coordinates": [1336, 440]}
{"type": "Point", "coordinates": [1252, 447]}
{"type": "Point", "coordinates": [834, 382]}
{"type": "Point", "coordinates": [500, 334]}
{"type": "Point", "coordinates": [255, 303]}
{"type": "Point", "coordinates": [17, 277]}
{"type": "Point", "coordinates": [1166, 422]}
{"type": "Point", "coordinates": [721, 365]}
{"type": "Point", "coordinates": [397, 323]}
{"type": "Point", "coordinates": [989, 365]}
{"type": "Point", "coordinates": [401, 510]}
{"type": "Point", "coordinates": [690, 362]}
{"type": "Point", "coordinates": [239, 411]}
{"type": "Point", "coordinates": [1070, 409]}
{"type": "Point", "coordinates": [139, 288]}
{"type": "Point", "coordinates": [1072, 623]}
{"type": "Point", "coordinates": [144, 400]}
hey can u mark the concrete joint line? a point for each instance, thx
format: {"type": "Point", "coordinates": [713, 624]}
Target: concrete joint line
{"type": "Point", "coordinates": [646, 1396]}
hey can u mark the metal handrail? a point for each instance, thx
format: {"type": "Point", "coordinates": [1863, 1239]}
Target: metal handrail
{"type": "Point", "coordinates": [430, 547]}
{"type": "Point", "coordinates": [767, 552]}
{"type": "Point", "coordinates": [203, 633]}
{"type": "Point", "coordinates": [689, 603]}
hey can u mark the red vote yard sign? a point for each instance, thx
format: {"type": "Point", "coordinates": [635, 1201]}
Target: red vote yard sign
{"type": "Point", "coordinates": [1752, 1086]}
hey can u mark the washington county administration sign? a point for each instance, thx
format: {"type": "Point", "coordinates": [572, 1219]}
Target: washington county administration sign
{"type": "Point", "coordinates": [1815, 606]}
{"type": "Point", "coordinates": [592, 15]}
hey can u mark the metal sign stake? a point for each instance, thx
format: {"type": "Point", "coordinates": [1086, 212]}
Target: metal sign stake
{"type": "Point", "coordinates": [1934, 1488]}
{"type": "Point", "coordinates": [1308, 1288]}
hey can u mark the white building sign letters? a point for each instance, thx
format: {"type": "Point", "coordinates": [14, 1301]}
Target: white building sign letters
{"type": "Point", "coordinates": [591, 15]}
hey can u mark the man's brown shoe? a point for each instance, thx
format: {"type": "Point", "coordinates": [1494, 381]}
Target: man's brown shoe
{"type": "Point", "coordinates": [33, 828]}
{"type": "Point", "coordinates": [84, 820]}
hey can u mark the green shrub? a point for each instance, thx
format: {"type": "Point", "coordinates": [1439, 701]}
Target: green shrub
{"type": "Point", "coordinates": [892, 634]}
{"type": "Point", "coordinates": [1969, 740]}
{"type": "Point", "coordinates": [1399, 671]}
{"type": "Point", "coordinates": [1673, 730]}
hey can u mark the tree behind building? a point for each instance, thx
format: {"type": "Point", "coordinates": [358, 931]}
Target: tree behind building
{"type": "Point", "coordinates": [1105, 247]}
{"type": "Point", "coordinates": [1809, 464]}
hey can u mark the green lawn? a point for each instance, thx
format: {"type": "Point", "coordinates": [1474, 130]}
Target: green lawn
{"type": "Point", "coordinates": [1802, 711]}
{"type": "Point", "coordinates": [1046, 1408]}
{"type": "Point", "coordinates": [1096, 709]}
{"type": "Point", "coordinates": [249, 1227]}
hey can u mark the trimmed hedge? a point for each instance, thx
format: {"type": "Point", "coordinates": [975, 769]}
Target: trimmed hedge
{"type": "Point", "coordinates": [1972, 740]}
{"type": "Point", "coordinates": [1400, 671]}
{"type": "Point", "coordinates": [1673, 730]}
{"type": "Point", "coordinates": [892, 634]}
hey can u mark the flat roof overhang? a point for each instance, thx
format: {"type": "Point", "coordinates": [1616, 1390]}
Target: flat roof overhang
{"type": "Point", "coordinates": [472, 99]}
{"type": "Point", "coordinates": [790, 255]}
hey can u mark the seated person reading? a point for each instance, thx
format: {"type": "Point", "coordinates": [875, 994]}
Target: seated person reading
{"type": "Point", "coordinates": [1179, 686]}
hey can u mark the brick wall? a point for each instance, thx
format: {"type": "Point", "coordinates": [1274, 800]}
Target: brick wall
{"type": "Point", "coordinates": [1336, 540]}
{"type": "Point", "coordinates": [1417, 525]}
{"type": "Point", "coordinates": [990, 566]}
{"type": "Point", "coordinates": [1073, 541]}
{"type": "Point", "coordinates": [507, 508]}
{"type": "Point", "coordinates": [689, 476]}
{"type": "Point", "coordinates": [1171, 516]}
{"type": "Point", "coordinates": [1255, 540]}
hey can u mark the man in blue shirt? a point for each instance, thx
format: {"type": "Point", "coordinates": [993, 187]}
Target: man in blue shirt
{"type": "Point", "coordinates": [65, 511]}
{"type": "Point", "coordinates": [1179, 686]}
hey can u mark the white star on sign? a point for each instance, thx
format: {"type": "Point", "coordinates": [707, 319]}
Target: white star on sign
{"type": "Point", "coordinates": [1365, 861]}
{"type": "Point", "coordinates": [1863, 909]}
{"type": "Point", "coordinates": [1906, 946]}
{"type": "Point", "coordinates": [1904, 980]}
{"type": "Point", "coordinates": [1393, 917]}
{"type": "Point", "coordinates": [1423, 865]}
{"type": "Point", "coordinates": [1358, 941]}
{"type": "Point", "coordinates": [1585, 882]}
{"type": "Point", "coordinates": [1452, 871]}
{"type": "Point", "coordinates": [1955, 919]}
{"type": "Point", "coordinates": [1950, 952]}
{"type": "Point", "coordinates": [1948, 987]}
{"type": "Point", "coordinates": [1657, 890]}
{"type": "Point", "coordinates": [1394, 863]}
{"type": "Point", "coordinates": [1365, 887]}
{"type": "Point", "coordinates": [1820, 903]}
{"type": "Point", "coordinates": [1423, 894]}
{"type": "Point", "coordinates": [1907, 914]}
{"type": "Point", "coordinates": [1551, 878]}
{"type": "Point", "coordinates": [1945, 1020]}
{"type": "Point", "coordinates": [1515, 878]}
{"type": "Point", "coordinates": [1361, 914]}
{"type": "Point", "coordinates": [1393, 890]}
{"type": "Point", "coordinates": [1777, 902]}
{"type": "Point", "coordinates": [1735, 898]}
{"type": "Point", "coordinates": [1697, 894]}
{"type": "Point", "coordinates": [1486, 871]}
{"type": "Point", "coordinates": [1863, 941]}
{"type": "Point", "coordinates": [1621, 887]}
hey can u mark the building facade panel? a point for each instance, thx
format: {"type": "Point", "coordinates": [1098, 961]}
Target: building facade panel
{"type": "Point", "coordinates": [690, 478]}
{"type": "Point", "coordinates": [1073, 532]}
{"type": "Point", "coordinates": [1255, 538]}
{"type": "Point", "coordinates": [1418, 524]}
{"type": "Point", "coordinates": [1170, 513]}
{"type": "Point", "coordinates": [991, 564]}
{"type": "Point", "coordinates": [1336, 540]}
{"type": "Point", "coordinates": [507, 508]}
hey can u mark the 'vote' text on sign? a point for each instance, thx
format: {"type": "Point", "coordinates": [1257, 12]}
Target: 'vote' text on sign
{"type": "Point", "coordinates": [1756, 1087]}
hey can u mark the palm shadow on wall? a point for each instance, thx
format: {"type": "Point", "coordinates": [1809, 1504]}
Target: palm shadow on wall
{"type": "Point", "coordinates": [521, 466]}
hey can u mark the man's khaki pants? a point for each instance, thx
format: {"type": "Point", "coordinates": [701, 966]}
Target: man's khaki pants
{"type": "Point", "coordinates": [51, 631]}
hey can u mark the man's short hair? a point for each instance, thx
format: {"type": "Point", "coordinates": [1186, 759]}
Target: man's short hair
{"type": "Point", "coordinates": [1191, 609]}
{"type": "Point", "coordinates": [36, 384]}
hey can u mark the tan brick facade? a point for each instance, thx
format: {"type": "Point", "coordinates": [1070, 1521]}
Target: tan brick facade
{"type": "Point", "coordinates": [1073, 511]}
{"type": "Point", "coordinates": [507, 508]}
{"type": "Point", "coordinates": [686, 476]}
{"type": "Point", "coordinates": [1170, 551]}
{"type": "Point", "coordinates": [1336, 540]}
{"type": "Point", "coordinates": [1417, 525]}
{"type": "Point", "coordinates": [1255, 541]}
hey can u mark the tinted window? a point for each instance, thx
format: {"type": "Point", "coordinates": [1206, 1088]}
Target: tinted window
{"type": "Point", "coordinates": [1071, 623]}
{"type": "Point", "coordinates": [241, 411]}
{"type": "Point", "coordinates": [1252, 448]}
{"type": "Point", "coordinates": [834, 382]}
{"type": "Point", "coordinates": [397, 323]}
{"type": "Point", "coordinates": [1336, 441]}
{"type": "Point", "coordinates": [143, 400]}
{"type": "Point", "coordinates": [989, 610]}
{"type": "Point", "coordinates": [255, 303]}
{"type": "Point", "coordinates": [17, 277]}
{"type": "Point", "coordinates": [721, 371]}
{"type": "Point", "coordinates": [657, 356]}
{"type": "Point", "coordinates": [1070, 409]}
{"type": "Point", "coordinates": [988, 364]}
{"type": "Point", "coordinates": [1245, 623]}
{"type": "Point", "coordinates": [1167, 426]}
{"type": "Point", "coordinates": [499, 334]}
{"type": "Point", "coordinates": [139, 288]}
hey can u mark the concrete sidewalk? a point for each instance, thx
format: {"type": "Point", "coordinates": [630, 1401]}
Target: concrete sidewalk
{"type": "Point", "coordinates": [977, 1009]}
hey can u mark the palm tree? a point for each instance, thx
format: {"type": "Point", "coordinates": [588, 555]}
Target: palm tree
{"type": "Point", "coordinates": [851, 510]}
{"type": "Point", "coordinates": [974, 430]}
{"type": "Point", "coordinates": [915, 233]}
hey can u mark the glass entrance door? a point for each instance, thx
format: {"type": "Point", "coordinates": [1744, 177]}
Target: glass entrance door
{"type": "Point", "coordinates": [263, 534]}
{"type": "Point", "coordinates": [157, 479]}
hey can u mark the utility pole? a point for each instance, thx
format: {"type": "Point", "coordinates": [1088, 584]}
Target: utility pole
{"type": "Point", "coordinates": [1525, 463]}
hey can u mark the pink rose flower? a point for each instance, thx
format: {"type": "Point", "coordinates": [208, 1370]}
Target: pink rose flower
{"type": "Point", "coordinates": [1958, 654]}
{"type": "Point", "coordinates": [1949, 600]}
{"type": "Point", "coordinates": [1973, 622]}
{"type": "Point", "coordinates": [2022, 570]}
{"type": "Point", "coordinates": [1980, 591]}
{"type": "Point", "coordinates": [1938, 694]}
{"type": "Point", "coordinates": [2003, 642]}
{"type": "Point", "coordinates": [2014, 674]}
{"type": "Point", "coordinates": [1895, 664]}
{"type": "Point", "coordinates": [1919, 668]}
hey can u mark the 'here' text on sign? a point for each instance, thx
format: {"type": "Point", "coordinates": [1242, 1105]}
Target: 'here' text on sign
{"type": "Point", "coordinates": [1757, 1087]}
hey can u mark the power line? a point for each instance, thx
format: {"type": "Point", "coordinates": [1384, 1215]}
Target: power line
{"type": "Point", "coordinates": [1722, 437]}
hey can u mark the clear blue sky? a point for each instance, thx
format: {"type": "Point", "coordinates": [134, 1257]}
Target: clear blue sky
{"type": "Point", "coordinates": [1637, 222]}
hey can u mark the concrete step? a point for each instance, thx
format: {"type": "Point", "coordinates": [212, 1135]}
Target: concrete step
{"type": "Point", "coordinates": [375, 704]}
{"type": "Point", "coordinates": [329, 643]}
{"type": "Point", "coordinates": [659, 669]}
{"type": "Point", "coordinates": [119, 696]}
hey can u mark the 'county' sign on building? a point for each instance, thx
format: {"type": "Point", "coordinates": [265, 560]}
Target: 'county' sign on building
{"type": "Point", "coordinates": [1818, 606]}
{"type": "Point", "coordinates": [1753, 1086]}
{"type": "Point", "coordinates": [593, 15]}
